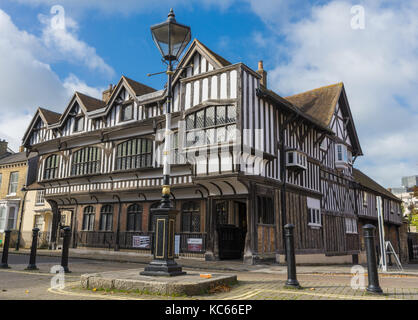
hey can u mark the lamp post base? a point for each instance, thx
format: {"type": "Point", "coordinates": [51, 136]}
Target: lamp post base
{"type": "Point", "coordinates": [163, 268]}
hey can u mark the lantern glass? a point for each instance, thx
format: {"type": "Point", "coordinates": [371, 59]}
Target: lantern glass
{"type": "Point", "coordinates": [171, 39]}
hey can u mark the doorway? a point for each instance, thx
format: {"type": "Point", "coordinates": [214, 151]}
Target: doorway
{"type": "Point", "coordinates": [231, 219]}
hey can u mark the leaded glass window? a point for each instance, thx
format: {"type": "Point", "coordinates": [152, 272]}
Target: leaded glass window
{"type": "Point", "coordinates": [190, 217]}
{"type": "Point", "coordinates": [134, 154]}
{"type": "Point", "coordinates": [214, 124]}
{"type": "Point", "coordinates": [86, 161]}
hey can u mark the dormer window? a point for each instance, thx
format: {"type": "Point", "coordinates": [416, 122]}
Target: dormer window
{"type": "Point", "coordinates": [296, 160]}
{"type": "Point", "coordinates": [341, 158]}
{"type": "Point", "coordinates": [78, 124]}
{"type": "Point", "coordinates": [127, 112]}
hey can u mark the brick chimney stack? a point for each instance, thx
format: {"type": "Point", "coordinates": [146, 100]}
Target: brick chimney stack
{"type": "Point", "coordinates": [107, 93]}
{"type": "Point", "coordinates": [3, 147]}
{"type": "Point", "coordinates": [262, 73]}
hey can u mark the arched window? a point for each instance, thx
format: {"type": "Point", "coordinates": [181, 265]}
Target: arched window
{"type": "Point", "coordinates": [106, 218]}
{"type": "Point", "coordinates": [134, 154]}
{"type": "Point", "coordinates": [88, 218]}
{"type": "Point", "coordinates": [190, 217]}
{"type": "Point", "coordinates": [86, 161]}
{"type": "Point", "coordinates": [151, 218]}
{"type": "Point", "coordinates": [134, 217]}
{"type": "Point", "coordinates": [51, 167]}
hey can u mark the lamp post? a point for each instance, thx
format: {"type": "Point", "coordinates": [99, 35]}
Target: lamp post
{"type": "Point", "coordinates": [171, 38]}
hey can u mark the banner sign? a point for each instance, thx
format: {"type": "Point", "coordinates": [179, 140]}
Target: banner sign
{"type": "Point", "coordinates": [177, 245]}
{"type": "Point", "coordinates": [194, 244]}
{"type": "Point", "coordinates": [142, 242]}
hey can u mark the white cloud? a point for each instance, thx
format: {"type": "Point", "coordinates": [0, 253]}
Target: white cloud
{"type": "Point", "coordinates": [128, 7]}
{"type": "Point", "coordinates": [27, 81]}
{"type": "Point", "coordinates": [379, 68]}
{"type": "Point", "coordinates": [64, 42]}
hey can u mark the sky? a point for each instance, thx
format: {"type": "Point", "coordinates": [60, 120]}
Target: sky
{"type": "Point", "coordinates": [51, 48]}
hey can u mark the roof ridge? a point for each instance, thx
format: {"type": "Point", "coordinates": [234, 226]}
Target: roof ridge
{"type": "Point", "coordinates": [317, 89]}
{"type": "Point", "coordinates": [130, 79]}
{"type": "Point", "coordinates": [218, 57]}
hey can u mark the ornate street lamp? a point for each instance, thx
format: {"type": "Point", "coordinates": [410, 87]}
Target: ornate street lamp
{"type": "Point", "coordinates": [171, 38]}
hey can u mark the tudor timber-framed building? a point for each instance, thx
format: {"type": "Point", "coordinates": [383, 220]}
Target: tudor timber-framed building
{"type": "Point", "coordinates": [245, 162]}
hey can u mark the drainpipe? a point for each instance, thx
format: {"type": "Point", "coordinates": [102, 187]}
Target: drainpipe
{"type": "Point", "coordinates": [118, 225]}
{"type": "Point", "coordinates": [21, 218]}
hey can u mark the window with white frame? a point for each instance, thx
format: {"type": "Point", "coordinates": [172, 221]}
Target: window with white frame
{"type": "Point", "coordinates": [314, 212]}
{"type": "Point", "coordinates": [341, 153]}
{"type": "Point", "coordinates": [351, 226]}
{"type": "Point", "coordinates": [14, 178]}
{"type": "Point", "coordinates": [40, 198]}
{"type": "Point", "coordinates": [11, 221]}
{"type": "Point", "coordinates": [2, 218]}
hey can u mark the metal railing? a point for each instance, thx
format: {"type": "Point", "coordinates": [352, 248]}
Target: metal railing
{"type": "Point", "coordinates": [131, 240]}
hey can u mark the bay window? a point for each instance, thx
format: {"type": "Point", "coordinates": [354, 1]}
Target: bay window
{"type": "Point", "coordinates": [86, 161]}
{"type": "Point", "coordinates": [134, 154]}
{"type": "Point", "coordinates": [211, 125]}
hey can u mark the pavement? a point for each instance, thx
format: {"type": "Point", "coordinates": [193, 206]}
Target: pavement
{"type": "Point", "coordinates": [223, 265]}
{"type": "Point", "coordinates": [262, 282]}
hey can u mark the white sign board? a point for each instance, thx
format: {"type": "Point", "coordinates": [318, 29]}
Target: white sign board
{"type": "Point", "coordinates": [142, 242]}
{"type": "Point", "coordinates": [194, 244]}
{"type": "Point", "coordinates": [177, 245]}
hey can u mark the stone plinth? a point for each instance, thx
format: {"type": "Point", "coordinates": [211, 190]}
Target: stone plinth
{"type": "Point", "coordinates": [131, 280]}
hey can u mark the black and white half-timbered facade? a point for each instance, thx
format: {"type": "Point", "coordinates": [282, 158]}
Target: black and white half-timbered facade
{"type": "Point", "coordinates": [244, 162]}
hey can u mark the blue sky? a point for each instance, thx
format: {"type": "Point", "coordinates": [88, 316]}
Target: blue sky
{"type": "Point", "coordinates": [304, 45]}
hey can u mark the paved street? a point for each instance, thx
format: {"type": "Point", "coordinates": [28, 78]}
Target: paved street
{"type": "Point", "coordinates": [263, 282]}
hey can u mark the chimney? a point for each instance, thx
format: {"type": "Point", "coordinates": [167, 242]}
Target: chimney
{"type": "Point", "coordinates": [262, 73]}
{"type": "Point", "coordinates": [3, 147]}
{"type": "Point", "coordinates": [107, 93]}
{"type": "Point", "coordinates": [21, 148]}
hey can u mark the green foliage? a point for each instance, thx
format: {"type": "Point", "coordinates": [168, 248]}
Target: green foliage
{"type": "Point", "coordinates": [414, 218]}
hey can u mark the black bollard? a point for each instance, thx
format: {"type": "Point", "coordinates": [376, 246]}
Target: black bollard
{"type": "Point", "coordinates": [374, 286]}
{"type": "Point", "coordinates": [65, 247]}
{"type": "Point", "coordinates": [290, 256]}
{"type": "Point", "coordinates": [32, 259]}
{"type": "Point", "coordinates": [5, 255]}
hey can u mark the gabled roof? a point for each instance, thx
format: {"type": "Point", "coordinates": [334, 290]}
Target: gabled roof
{"type": "Point", "coordinates": [216, 56]}
{"type": "Point", "coordinates": [274, 96]}
{"type": "Point", "coordinates": [49, 116]}
{"type": "Point", "coordinates": [319, 103]}
{"type": "Point", "coordinates": [139, 88]}
{"type": "Point", "coordinates": [196, 45]}
{"type": "Point", "coordinates": [369, 183]}
{"type": "Point", "coordinates": [90, 103]}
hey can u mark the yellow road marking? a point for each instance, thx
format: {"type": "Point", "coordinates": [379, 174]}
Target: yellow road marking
{"type": "Point", "coordinates": [244, 295]}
